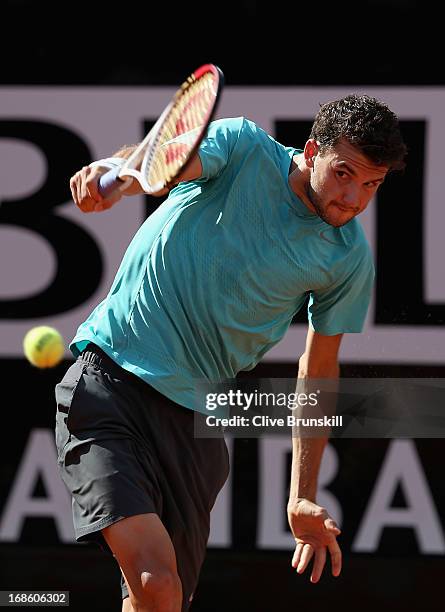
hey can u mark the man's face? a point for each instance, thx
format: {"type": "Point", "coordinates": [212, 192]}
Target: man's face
{"type": "Point", "coordinates": [342, 183]}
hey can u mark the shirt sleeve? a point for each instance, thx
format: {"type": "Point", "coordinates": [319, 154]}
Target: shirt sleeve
{"type": "Point", "coordinates": [342, 307]}
{"type": "Point", "coordinates": [218, 145]}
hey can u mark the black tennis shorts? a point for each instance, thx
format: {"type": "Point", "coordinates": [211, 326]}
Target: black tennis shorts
{"type": "Point", "coordinates": [125, 449]}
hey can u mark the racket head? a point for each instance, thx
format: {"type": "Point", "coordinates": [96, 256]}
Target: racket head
{"type": "Point", "coordinates": [181, 129]}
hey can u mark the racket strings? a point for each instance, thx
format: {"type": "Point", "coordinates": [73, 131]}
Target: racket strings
{"type": "Point", "coordinates": [181, 129]}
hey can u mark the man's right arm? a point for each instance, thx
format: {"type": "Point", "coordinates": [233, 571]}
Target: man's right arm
{"type": "Point", "coordinates": [216, 149]}
{"type": "Point", "coordinates": [84, 184]}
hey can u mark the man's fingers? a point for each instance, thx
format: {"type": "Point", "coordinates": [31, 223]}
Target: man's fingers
{"type": "Point", "coordinates": [108, 202]}
{"type": "Point", "coordinates": [306, 556]}
{"type": "Point", "coordinates": [336, 557]}
{"type": "Point", "coordinates": [73, 187]}
{"type": "Point", "coordinates": [92, 188]}
{"type": "Point", "coordinates": [332, 526]}
{"type": "Point", "coordinates": [84, 189]}
{"type": "Point", "coordinates": [82, 183]}
{"type": "Point", "coordinates": [319, 563]}
{"type": "Point", "coordinates": [297, 555]}
{"type": "Point", "coordinates": [80, 195]}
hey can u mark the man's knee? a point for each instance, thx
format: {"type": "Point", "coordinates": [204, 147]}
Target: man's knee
{"type": "Point", "coordinates": [145, 553]}
{"type": "Point", "coordinates": [161, 590]}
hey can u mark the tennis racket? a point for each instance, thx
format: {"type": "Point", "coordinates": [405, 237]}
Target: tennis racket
{"type": "Point", "coordinates": [174, 139]}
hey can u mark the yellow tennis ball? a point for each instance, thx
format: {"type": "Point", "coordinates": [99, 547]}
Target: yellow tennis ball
{"type": "Point", "coordinates": [43, 346]}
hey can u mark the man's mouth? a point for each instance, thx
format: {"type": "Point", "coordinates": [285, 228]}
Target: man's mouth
{"type": "Point", "coordinates": [346, 209]}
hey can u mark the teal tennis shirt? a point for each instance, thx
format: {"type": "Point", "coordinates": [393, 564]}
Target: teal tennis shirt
{"type": "Point", "coordinates": [212, 279]}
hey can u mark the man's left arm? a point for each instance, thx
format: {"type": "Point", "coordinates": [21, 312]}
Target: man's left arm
{"type": "Point", "coordinates": [315, 532]}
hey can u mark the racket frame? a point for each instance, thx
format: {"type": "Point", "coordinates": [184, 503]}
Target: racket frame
{"type": "Point", "coordinates": [135, 166]}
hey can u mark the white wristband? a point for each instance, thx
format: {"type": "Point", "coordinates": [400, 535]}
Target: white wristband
{"type": "Point", "coordinates": [110, 163]}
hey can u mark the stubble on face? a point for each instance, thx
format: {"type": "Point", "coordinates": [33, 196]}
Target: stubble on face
{"type": "Point", "coordinates": [321, 195]}
{"type": "Point", "coordinates": [329, 213]}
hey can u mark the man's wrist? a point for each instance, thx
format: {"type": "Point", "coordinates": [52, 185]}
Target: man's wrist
{"type": "Point", "coordinates": [295, 501]}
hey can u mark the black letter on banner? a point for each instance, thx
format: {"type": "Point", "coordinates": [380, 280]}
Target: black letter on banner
{"type": "Point", "coordinates": [400, 253]}
{"type": "Point", "coordinates": [79, 261]}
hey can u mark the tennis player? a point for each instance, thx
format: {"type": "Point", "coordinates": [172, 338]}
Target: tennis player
{"type": "Point", "coordinates": [210, 282]}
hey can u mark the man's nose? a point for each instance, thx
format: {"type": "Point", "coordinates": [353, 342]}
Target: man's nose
{"type": "Point", "coordinates": [350, 196]}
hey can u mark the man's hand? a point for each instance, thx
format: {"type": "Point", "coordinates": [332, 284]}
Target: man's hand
{"type": "Point", "coordinates": [315, 532]}
{"type": "Point", "coordinates": [85, 193]}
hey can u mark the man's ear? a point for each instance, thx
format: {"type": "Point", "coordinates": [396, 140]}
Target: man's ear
{"type": "Point", "coordinates": [311, 149]}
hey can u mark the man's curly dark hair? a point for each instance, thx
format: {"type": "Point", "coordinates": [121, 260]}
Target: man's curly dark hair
{"type": "Point", "coordinates": [365, 123]}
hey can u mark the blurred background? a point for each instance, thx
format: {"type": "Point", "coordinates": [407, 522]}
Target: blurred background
{"type": "Point", "coordinates": [78, 81]}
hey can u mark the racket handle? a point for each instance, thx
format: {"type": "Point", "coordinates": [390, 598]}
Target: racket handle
{"type": "Point", "coordinates": [109, 182]}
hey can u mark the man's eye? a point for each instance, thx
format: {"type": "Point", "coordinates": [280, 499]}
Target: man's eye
{"type": "Point", "coordinates": [341, 174]}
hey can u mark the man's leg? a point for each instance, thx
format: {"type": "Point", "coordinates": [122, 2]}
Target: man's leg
{"type": "Point", "coordinates": [145, 553]}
